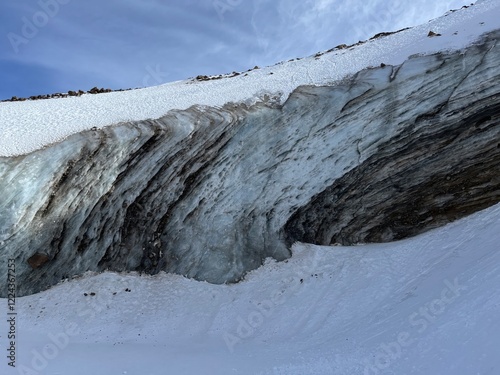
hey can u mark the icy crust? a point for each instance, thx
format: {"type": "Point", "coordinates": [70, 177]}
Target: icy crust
{"type": "Point", "coordinates": [31, 125]}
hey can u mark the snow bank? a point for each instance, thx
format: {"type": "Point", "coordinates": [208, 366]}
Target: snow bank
{"type": "Point", "coordinates": [27, 126]}
{"type": "Point", "coordinates": [427, 305]}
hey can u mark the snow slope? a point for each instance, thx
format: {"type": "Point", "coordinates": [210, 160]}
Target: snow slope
{"type": "Point", "coordinates": [427, 305]}
{"type": "Point", "coordinates": [27, 126]}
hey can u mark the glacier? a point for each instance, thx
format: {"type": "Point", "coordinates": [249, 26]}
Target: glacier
{"type": "Point", "coordinates": [211, 192]}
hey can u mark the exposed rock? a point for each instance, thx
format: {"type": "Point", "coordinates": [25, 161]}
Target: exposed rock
{"type": "Point", "coordinates": [380, 35]}
{"type": "Point", "coordinates": [383, 34]}
{"type": "Point", "coordinates": [37, 260]}
{"type": "Point", "coordinates": [94, 90]}
{"type": "Point", "coordinates": [202, 78]}
{"type": "Point", "coordinates": [211, 192]}
{"type": "Point", "coordinates": [432, 34]}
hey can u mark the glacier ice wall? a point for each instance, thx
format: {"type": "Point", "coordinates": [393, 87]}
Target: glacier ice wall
{"type": "Point", "coordinates": [211, 192]}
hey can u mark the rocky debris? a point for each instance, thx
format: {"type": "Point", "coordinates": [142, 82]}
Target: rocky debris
{"type": "Point", "coordinates": [70, 93]}
{"type": "Point", "coordinates": [380, 35]}
{"type": "Point", "coordinates": [96, 90]}
{"type": "Point", "coordinates": [220, 76]}
{"type": "Point", "coordinates": [433, 34]}
{"type": "Point", "coordinates": [455, 10]}
{"type": "Point", "coordinates": [387, 33]}
{"type": "Point", "coordinates": [339, 47]}
{"type": "Point", "coordinates": [202, 78]}
{"type": "Point", "coordinates": [317, 55]}
{"type": "Point", "coordinates": [37, 260]}
{"type": "Point", "coordinates": [345, 46]}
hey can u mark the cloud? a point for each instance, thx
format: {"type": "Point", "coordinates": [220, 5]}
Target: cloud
{"type": "Point", "coordinates": [112, 43]}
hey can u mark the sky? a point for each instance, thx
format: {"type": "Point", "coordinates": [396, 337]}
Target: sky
{"type": "Point", "coordinates": [49, 46]}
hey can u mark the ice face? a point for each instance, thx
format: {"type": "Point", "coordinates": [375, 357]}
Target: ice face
{"type": "Point", "coordinates": [211, 192]}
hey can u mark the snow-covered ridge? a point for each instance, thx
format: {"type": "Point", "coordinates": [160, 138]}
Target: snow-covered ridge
{"type": "Point", "coordinates": [31, 125]}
